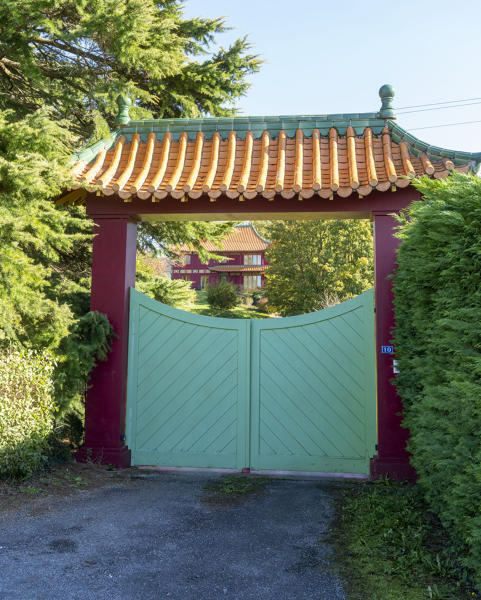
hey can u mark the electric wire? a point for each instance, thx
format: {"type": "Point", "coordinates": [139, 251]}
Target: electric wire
{"type": "Point", "coordinates": [406, 112]}
{"type": "Point", "coordinates": [444, 125]}
{"type": "Point", "coordinates": [438, 103]}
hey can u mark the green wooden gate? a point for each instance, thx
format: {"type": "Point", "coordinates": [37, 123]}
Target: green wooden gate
{"type": "Point", "coordinates": [287, 394]}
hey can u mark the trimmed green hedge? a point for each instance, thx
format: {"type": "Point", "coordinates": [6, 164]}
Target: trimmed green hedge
{"type": "Point", "coordinates": [26, 412]}
{"type": "Point", "coordinates": [438, 347]}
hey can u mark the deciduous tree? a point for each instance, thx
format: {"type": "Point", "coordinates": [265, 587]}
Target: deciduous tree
{"type": "Point", "coordinates": [317, 263]}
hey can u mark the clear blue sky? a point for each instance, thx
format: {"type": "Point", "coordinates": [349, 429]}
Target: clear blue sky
{"type": "Point", "coordinates": [332, 57]}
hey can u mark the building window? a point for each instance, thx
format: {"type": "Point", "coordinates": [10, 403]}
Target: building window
{"type": "Point", "coordinates": [252, 282]}
{"type": "Point", "coordinates": [252, 259]}
{"type": "Point", "coordinates": [204, 281]}
{"type": "Point", "coordinates": [187, 259]}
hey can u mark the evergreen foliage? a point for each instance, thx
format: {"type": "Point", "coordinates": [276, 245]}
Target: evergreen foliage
{"type": "Point", "coordinates": [35, 236]}
{"type": "Point", "coordinates": [76, 55]}
{"type": "Point", "coordinates": [163, 237]}
{"type": "Point", "coordinates": [174, 292]}
{"type": "Point", "coordinates": [26, 411]}
{"type": "Point", "coordinates": [314, 264]}
{"type": "Point", "coordinates": [88, 343]}
{"type": "Point", "coordinates": [438, 345]}
{"type": "Point", "coordinates": [222, 295]}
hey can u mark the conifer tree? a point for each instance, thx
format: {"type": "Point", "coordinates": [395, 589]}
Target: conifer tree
{"type": "Point", "coordinates": [76, 55]}
{"type": "Point", "coordinates": [62, 65]}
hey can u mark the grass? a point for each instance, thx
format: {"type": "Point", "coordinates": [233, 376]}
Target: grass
{"type": "Point", "coordinates": [237, 485]}
{"type": "Point", "coordinates": [201, 307]}
{"type": "Point", "coordinates": [57, 482]}
{"type": "Point", "coordinates": [229, 490]}
{"type": "Point", "coordinates": [390, 547]}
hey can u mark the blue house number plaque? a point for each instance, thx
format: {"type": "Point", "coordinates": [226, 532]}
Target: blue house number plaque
{"type": "Point", "coordinates": [387, 349]}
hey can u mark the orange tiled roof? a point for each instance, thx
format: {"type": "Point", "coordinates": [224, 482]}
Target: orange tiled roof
{"type": "Point", "coordinates": [247, 157]}
{"type": "Point", "coordinates": [244, 238]}
{"type": "Point", "coordinates": [239, 268]}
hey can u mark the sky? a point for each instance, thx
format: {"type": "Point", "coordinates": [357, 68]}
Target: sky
{"type": "Point", "coordinates": [332, 57]}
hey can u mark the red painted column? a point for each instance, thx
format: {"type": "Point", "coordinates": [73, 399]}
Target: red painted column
{"type": "Point", "coordinates": [392, 458]}
{"type": "Point", "coordinates": [113, 273]}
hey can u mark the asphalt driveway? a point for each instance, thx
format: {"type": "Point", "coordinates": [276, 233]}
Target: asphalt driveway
{"type": "Point", "coordinates": [164, 536]}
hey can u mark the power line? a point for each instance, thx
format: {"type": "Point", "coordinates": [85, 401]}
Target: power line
{"type": "Point", "coordinates": [406, 112]}
{"type": "Point", "coordinates": [438, 103]}
{"type": "Point", "coordinates": [445, 125]}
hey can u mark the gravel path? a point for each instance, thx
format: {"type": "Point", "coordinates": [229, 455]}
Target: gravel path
{"type": "Point", "coordinates": [163, 536]}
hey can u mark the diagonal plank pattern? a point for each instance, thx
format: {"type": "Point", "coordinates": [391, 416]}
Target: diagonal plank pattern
{"type": "Point", "coordinates": [313, 390]}
{"type": "Point", "coordinates": [290, 394]}
{"type": "Point", "coordinates": [186, 387]}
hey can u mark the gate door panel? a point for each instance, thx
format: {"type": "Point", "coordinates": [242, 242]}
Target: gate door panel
{"type": "Point", "coordinates": [313, 393]}
{"type": "Point", "coordinates": [187, 387]}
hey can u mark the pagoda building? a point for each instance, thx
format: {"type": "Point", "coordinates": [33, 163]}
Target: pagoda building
{"type": "Point", "coordinates": [243, 261]}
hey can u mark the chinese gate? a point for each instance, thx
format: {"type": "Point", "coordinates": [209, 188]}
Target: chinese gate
{"type": "Point", "coordinates": [288, 394]}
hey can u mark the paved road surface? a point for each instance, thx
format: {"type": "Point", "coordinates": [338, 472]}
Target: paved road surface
{"type": "Point", "coordinates": [162, 538]}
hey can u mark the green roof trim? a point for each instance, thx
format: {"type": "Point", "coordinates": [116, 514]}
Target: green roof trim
{"type": "Point", "coordinates": [417, 147]}
{"type": "Point", "coordinates": [274, 124]}
{"type": "Point", "coordinates": [88, 153]}
{"type": "Point", "coordinates": [241, 125]}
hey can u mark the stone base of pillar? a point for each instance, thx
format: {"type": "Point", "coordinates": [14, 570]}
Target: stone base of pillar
{"type": "Point", "coordinates": [394, 468]}
{"type": "Point", "coordinates": [119, 457]}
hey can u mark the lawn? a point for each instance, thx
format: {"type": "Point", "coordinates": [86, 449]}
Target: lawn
{"type": "Point", "coordinates": [201, 307]}
{"type": "Point", "coordinates": [389, 547]}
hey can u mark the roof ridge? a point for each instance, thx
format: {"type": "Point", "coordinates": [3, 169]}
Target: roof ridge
{"type": "Point", "coordinates": [399, 134]}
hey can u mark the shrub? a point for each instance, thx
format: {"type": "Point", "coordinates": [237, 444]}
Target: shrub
{"type": "Point", "coordinates": [26, 411]}
{"type": "Point", "coordinates": [88, 343]}
{"type": "Point", "coordinates": [222, 295]}
{"type": "Point", "coordinates": [174, 292]}
{"type": "Point", "coordinates": [438, 347]}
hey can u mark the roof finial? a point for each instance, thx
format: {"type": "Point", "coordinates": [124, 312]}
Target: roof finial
{"type": "Point", "coordinates": [124, 103]}
{"type": "Point", "coordinates": [386, 94]}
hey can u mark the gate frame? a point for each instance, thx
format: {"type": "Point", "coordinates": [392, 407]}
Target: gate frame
{"type": "Point", "coordinates": [113, 273]}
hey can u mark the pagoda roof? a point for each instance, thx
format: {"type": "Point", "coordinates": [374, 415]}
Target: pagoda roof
{"type": "Point", "coordinates": [245, 157]}
{"type": "Point", "coordinates": [244, 238]}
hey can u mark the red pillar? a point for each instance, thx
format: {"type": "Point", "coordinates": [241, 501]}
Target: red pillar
{"type": "Point", "coordinates": [113, 273]}
{"type": "Point", "coordinates": [392, 458]}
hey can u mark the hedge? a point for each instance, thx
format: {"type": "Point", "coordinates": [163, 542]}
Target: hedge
{"type": "Point", "coordinates": [26, 412]}
{"type": "Point", "coordinates": [438, 347]}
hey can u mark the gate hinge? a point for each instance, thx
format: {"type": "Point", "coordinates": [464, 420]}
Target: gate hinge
{"type": "Point", "coordinates": [376, 447]}
{"type": "Point", "coordinates": [374, 309]}
{"type": "Point", "coordinates": [122, 437]}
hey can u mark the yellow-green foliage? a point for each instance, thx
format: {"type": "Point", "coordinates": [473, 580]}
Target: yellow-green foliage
{"type": "Point", "coordinates": [438, 346]}
{"type": "Point", "coordinates": [314, 264]}
{"type": "Point", "coordinates": [26, 411]}
{"type": "Point", "coordinates": [173, 292]}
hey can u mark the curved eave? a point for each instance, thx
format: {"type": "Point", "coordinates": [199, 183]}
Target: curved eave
{"type": "Point", "coordinates": [417, 147]}
{"type": "Point", "coordinates": [88, 153]}
{"type": "Point", "coordinates": [246, 157]}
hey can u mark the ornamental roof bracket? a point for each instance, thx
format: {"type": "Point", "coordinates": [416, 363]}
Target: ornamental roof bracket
{"type": "Point", "coordinates": [386, 93]}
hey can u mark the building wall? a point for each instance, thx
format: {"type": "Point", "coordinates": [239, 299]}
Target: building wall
{"type": "Point", "coordinates": [196, 269]}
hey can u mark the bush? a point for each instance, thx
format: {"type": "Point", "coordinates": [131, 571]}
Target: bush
{"type": "Point", "coordinates": [222, 295]}
{"type": "Point", "coordinates": [438, 347]}
{"type": "Point", "coordinates": [88, 343]}
{"type": "Point", "coordinates": [26, 412]}
{"type": "Point", "coordinates": [174, 292]}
